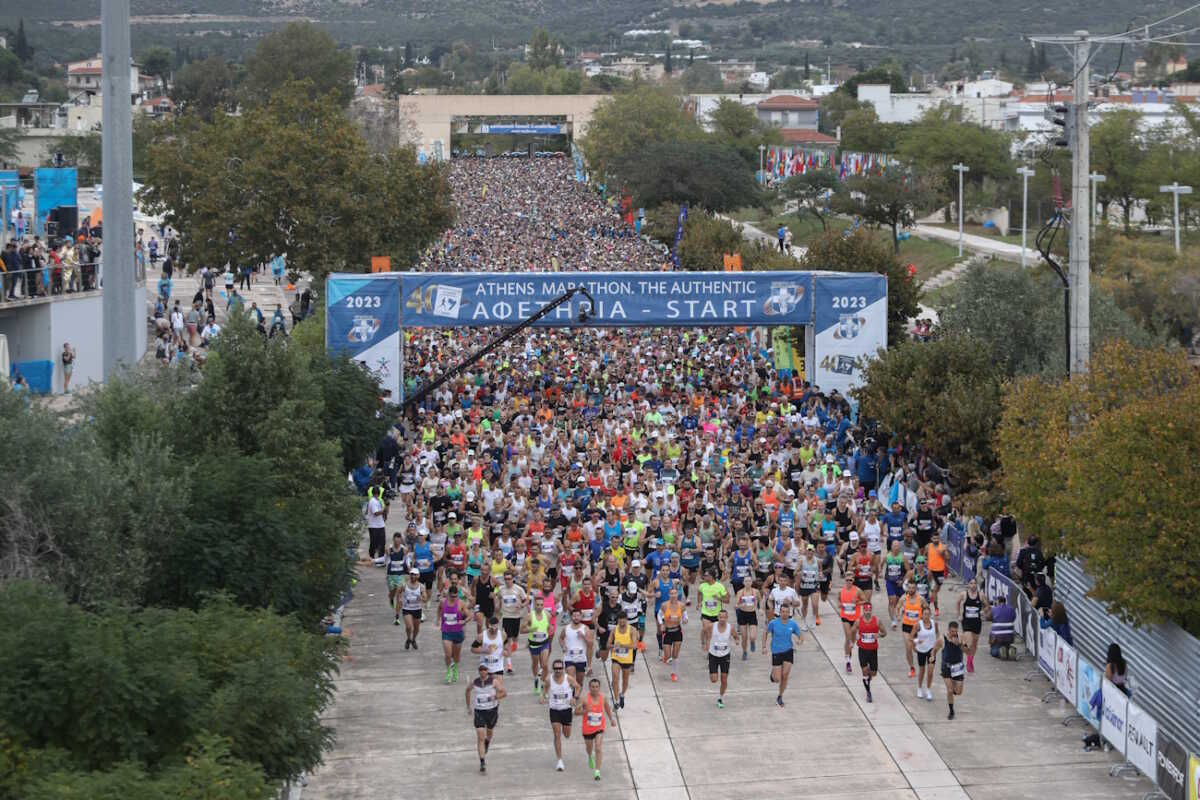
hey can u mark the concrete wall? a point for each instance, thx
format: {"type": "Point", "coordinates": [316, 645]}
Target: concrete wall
{"type": "Point", "coordinates": [895, 107]}
{"type": "Point", "coordinates": [28, 329]}
{"type": "Point", "coordinates": [432, 114]}
{"type": "Point", "coordinates": [37, 332]}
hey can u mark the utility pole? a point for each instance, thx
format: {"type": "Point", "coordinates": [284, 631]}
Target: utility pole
{"type": "Point", "coordinates": [960, 168]}
{"type": "Point", "coordinates": [1079, 270]}
{"type": "Point", "coordinates": [1176, 190]}
{"type": "Point", "coordinates": [1096, 178]}
{"type": "Point", "coordinates": [1026, 173]}
{"type": "Point", "coordinates": [120, 312]}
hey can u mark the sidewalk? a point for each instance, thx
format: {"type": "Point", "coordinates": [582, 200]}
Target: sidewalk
{"type": "Point", "coordinates": [979, 244]}
{"type": "Point", "coordinates": [403, 732]}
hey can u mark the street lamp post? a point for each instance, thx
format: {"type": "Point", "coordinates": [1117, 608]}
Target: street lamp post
{"type": "Point", "coordinates": [1026, 173]}
{"type": "Point", "coordinates": [1096, 178]}
{"type": "Point", "coordinates": [761, 149]}
{"type": "Point", "coordinates": [1176, 190]}
{"type": "Point", "coordinates": [960, 168]}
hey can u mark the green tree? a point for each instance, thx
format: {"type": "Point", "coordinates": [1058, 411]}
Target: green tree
{"type": "Point", "coordinates": [1018, 315]}
{"type": "Point", "coordinates": [833, 109]}
{"type": "Point", "coordinates": [11, 71]}
{"type": "Point", "coordinates": [707, 174]}
{"type": "Point", "coordinates": [408, 54]}
{"type": "Point", "coordinates": [789, 78]}
{"type": "Point", "coordinates": [945, 394]}
{"type": "Point", "coordinates": [737, 126]}
{"type": "Point", "coordinates": [702, 76]}
{"type": "Point", "coordinates": [21, 47]}
{"type": "Point", "coordinates": [204, 87]}
{"type": "Point", "coordinates": [79, 150]}
{"type": "Point", "coordinates": [1119, 154]}
{"type": "Point", "coordinates": [1083, 484]}
{"type": "Point", "coordinates": [668, 67]}
{"type": "Point", "coordinates": [889, 76]}
{"type": "Point", "coordinates": [643, 116]}
{"type": "Point", "coordinates": [888, 199]}
{"type": "Point", "coordinates": [863, 251]}
{"type": "Point", "coordinates": [161, 683]}
{"type": "Point", "coordinates": [863, 132]}
{"type": "Point", "coordinates": [813, 192]}
{"type": "Point", "coordinates": [157, 61]}
{"type": "Point", "coordinates": [304, 183]}
{"type": "Point", "coordinates": [1159, 289]}
{"type": "Point", "coordinates": [543, 50]}
{"type": "Point", "coordinates": [10, 149]}
{"type": "Point", "coordinates": [300, 51]}
{"type": "Point", "coordinates": [941, 138]}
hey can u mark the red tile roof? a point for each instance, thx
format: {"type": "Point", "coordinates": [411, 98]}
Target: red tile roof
{"type": "Point", "coordinates": [787, 102]}
{"type": "Point", "coordinates": [805, 136]}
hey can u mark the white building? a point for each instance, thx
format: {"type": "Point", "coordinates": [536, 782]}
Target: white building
{"type": "Point", "coordinates": [889, 107]}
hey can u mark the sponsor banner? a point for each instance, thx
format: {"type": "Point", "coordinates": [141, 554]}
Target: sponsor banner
{"type": "Point", "coordinates": [52, 187]}
{"type": "Point", "coordinates": [1194, 778]}
{"type": "Point", "coordinates": [1047, 649]}
{"type": "Point", "coordinates": [1141, 739]}
{"type": "Point", "coordinates": [956, 552]}
{"type": "Point", "coordinates": [523, 130]}
{"type": "Point", "coordinates": [623, 299]}
{"type": "Point", "coordinates": [1065, 670]}
{"type": "Point", "coordinates": [679, 223]}
{"type": "Point", "coordinates": [1112, 716]}
{"type": "Point", "coordinates": [1087, 681]}
{"type": "Point", "coordinates": [362, 320]}
{"type": "Point", "coordinates": [850, 318]}
{"type": "Point", "coordinates": [1171, 766]}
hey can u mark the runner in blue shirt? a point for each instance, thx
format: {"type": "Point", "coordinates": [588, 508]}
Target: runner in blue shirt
{"type": "Point", "coordinates": [781, 630]}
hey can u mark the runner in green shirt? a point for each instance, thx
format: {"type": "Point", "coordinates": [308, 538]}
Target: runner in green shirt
{"type": "Point", "coordinates": [712, 597]}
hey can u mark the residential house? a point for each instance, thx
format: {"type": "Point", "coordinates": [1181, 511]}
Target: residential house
{"type": "Point", "coordinates": [789, 111]}
{"type": "Point", "coordinates": [896, 107]}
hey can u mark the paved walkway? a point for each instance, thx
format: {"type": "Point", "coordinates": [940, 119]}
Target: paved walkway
{"type": "Point", "coordinates": [979, 244]}
{"type": "Point", "coordinates": [403, 732]}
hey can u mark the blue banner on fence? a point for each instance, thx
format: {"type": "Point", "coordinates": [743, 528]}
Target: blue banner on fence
{"type": "Point", "coordinates": [1000, 585]}
{"type": "Point", "coordinates": [362, 320]}
{"type": "Point", "coordinates": [956, 546]}
{"type": "Point", "coordinates": [623, 299]}
{"type": "Point", "coordinates": [1087, 684]}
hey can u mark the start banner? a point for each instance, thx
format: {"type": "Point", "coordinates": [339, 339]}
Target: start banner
{"type": "Point", "coordinates": [362, 320]}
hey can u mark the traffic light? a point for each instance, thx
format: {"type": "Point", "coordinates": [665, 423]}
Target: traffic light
{"type": "Point", "coordinates": [1064, 117]}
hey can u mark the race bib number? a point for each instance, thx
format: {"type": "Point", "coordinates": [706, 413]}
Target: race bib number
{"type": "Point", "coordinates": [450, 619]}
{"type": "Point", "coordinates": [594, 719]}
{"type": "Point", "coordinates": [621, 650]}
{"type": "Point", "coordinates": [956, 670]}
{"type": "Point", "coordinates": [849, 608]}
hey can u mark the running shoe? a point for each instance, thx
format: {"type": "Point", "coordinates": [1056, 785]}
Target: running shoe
{"type": "Point", "coordinates": [559, 766]}
{"type": "Point", "coordinates": [674, 677]}
{"type": "Point", "coordinates": [414, 642]}
{"type": "Point", "coordinates": [596, 775]}
{"type": "Point", "coordinates": [397, 622]}
{"type": "Point", "coordinates": [869, 700]}
{"type": "Point", "coordinates": [621, 701]}
{"type": "Point", "coordinates": [752, 645]}
{"type": "Point", "coordinates": [482, 765]}
{"type": "Point", "coordinates": [720, 703]}
{"type": "Point", "coordinates": [848, 670]}
{"type": "Point", "coordinates": [454, 667]}
{"type": "Point", "coordinates": [779, 701]}
{"type": "Point", "coordinates": [745, 655]}
{"type": "Point", "coordinates": [893, 624]}
{"type": "Point", "coordinates": [641, 646]}
{"type": "Point", "coordinates": [817, 620]}
{"type": "Point", "coordinates": [951, 714]}
{"type": "Point", "coordinates": [447, 675]}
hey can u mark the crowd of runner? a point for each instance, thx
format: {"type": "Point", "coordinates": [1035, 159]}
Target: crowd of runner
{"type": "Point", "coordinates": [583, 498]}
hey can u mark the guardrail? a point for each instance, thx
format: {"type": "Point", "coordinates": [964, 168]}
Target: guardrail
{"type": "Point", "coordinates": [57, 280]}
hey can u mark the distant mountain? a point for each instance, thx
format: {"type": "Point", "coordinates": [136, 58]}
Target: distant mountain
{"type": "Point", "coordinates": [923, 34]}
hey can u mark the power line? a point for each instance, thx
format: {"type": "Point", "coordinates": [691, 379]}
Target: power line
{"type": "Point", "coordinates": [1146, 28]}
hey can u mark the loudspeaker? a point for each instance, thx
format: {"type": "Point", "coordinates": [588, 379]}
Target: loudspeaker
{"type": "Point", "coordinates": [67, 218]}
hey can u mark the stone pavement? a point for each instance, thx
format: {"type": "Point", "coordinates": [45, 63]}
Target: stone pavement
{"type": "Point", "coordinates": [403, 733]}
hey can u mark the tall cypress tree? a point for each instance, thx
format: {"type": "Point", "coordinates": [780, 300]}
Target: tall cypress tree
{"type": "Point", "coordinates": [21, 48]}
{"type": "Point", "coordinates": [667, 68]}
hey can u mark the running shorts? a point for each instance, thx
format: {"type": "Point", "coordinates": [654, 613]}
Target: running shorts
{"type": "Point", "coordinates": [487, 718]}
{"type": "Point", "coordinates": [562, 716]}
{"type": "Point", "coordinates": [868, 659]}
{"type": "Point", "coordinates": [718, 664]}
{"type": "Point", "coordinates": [747, 617]}
{"type": "Point", "coordinates": [780, 658]}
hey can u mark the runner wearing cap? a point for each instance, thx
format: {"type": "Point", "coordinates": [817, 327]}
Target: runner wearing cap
{"type": "Point", "coordinates": [562, 692]}
{"type": "Point", "coordinates": [863, 566]}
{"type": "Point", "coordinates": [483, 698]}
{"type": "Point", "coordinates": [869, 633]}
{"type": "Point", "coordinates": [595, 710]}
{"type": "Point", "coordinates": [409, 601]}
{"type": "Point", "coordinates": [720, 648]}
{"type": "Point", "coordinates": [513, 601]}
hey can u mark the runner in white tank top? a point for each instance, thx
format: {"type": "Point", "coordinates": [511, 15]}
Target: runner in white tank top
{"type": "Point", "coordinates": [924, 638]}
{"type": "Point", "coordinates": [560, 695]}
